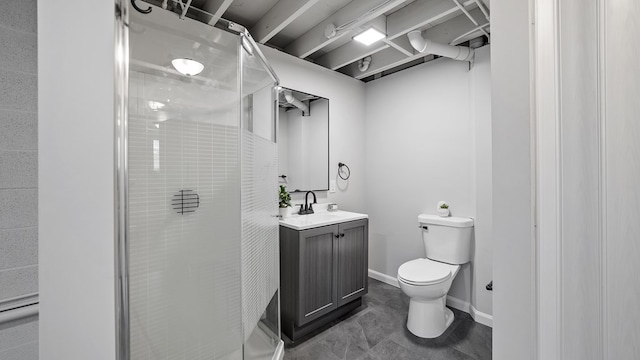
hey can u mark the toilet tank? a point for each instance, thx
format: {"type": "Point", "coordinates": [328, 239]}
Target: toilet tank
{"type": "Point", "coordinates": [447, 239]}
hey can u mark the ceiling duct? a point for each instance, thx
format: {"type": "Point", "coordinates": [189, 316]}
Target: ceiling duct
{"type": "Point", "coordinates": [430, 47]}
{"type": "Point", "coordinates": [289, 98]}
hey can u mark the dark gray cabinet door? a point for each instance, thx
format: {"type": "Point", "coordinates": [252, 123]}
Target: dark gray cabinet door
{"type": "Point", "coordinates": [318, 273]}
{"type": "Point", "coordinates": [352, 260]}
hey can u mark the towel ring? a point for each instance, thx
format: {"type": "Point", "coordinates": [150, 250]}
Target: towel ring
{"type": "Point", "coordinates": [139, 9]}
{"type": "Point", "coordinates": [340, 171]}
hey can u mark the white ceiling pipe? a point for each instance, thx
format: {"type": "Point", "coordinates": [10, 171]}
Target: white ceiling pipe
{"type": "Point", "coordinates": [363, 64]}
{"type": "Point", "coordinates": [295, 102]}
{"type": "Point", "coordinates": [429, 47]}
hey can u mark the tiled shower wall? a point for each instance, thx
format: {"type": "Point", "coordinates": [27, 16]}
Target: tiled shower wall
{"type": "Point", "coordinates": [18, 174]}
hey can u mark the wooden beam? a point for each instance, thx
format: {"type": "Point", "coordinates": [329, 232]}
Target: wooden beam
{"type": "Point", "coordinates": [217, 8]}
{"type": "Point", "coordinates": [390, 58]}
{"type": "Point", "coordinates": [278, 17]}
{"type": "Point", "coordinates": [315, 39]}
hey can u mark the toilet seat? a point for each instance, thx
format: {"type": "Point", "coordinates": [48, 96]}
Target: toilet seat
{"type": "Point", "coordinates": [422, 272]}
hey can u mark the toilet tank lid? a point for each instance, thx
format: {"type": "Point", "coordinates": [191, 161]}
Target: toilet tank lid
{"type": "Point", "coordinates": [451, 221]}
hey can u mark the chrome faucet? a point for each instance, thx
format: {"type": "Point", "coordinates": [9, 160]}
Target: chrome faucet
{"type": "Point", "coordinates": [308, 208]}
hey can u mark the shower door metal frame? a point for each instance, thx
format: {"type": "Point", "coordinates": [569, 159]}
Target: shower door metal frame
{"type": "Point", "coordinates": [121, 191]}
{"type": "Point", "coordinates": [121, 104]}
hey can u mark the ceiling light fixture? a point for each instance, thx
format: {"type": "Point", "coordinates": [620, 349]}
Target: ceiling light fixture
{"type": "Point", "coordinates": [369, 36]}
{"type": "Point", "coordinates": [187, 66]}
{"type": "Point", "coordinates": [155, 105]}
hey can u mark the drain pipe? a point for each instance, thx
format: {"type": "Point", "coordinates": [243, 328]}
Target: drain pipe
{"type": "Point", "coordinates": [363, 64]}
{"type": "Point", "coordinates": [427, 46]}
{"type": "Point", "coordinates": [297, 103]}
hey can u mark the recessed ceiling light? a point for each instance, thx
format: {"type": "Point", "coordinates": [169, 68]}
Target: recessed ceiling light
{"type": "Point", "coordinates": [369, 36]}
{"type": "Point", "coordinates": [187, 66]}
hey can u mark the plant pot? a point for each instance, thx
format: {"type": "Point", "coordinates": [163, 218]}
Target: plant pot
{"type": "Point", "coordinates": [443, 212]}
{"type": "Point", "coordinates": [285, 212]}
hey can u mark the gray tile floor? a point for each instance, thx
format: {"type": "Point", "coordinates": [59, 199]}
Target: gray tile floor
{"type": "Point", "coordinates": [378, 331]}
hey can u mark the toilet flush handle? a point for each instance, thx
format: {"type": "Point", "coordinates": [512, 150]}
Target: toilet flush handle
{"type": "Point", "coordinates": [424, 227]}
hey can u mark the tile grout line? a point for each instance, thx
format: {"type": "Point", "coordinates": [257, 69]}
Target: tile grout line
{"type": "Point", "coordinates": [19, 111]}
{"type": "Point", "coordinates": [34, 74]}
{"type": "Point", "coordinates": [19, 227]}
{"type": "Point", "coordinates": [18, 30]}
{"type": "Point", "coordinates": [8, 69]}
{"type": "Point", "coordinates": [19, 346]}
{"type": "Point", "coordinates": [20, 267]}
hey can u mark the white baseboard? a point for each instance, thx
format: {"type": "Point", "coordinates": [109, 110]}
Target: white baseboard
{"type": "Point", "coordinates": [384, 278]}
{"type": "Point", "coordinates": [478, 316]}
{"type": "Point", "coordinates": [482, 318]}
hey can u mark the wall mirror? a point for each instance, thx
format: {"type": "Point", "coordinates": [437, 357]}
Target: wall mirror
{"type": "Point", "coordinates": [303, 141]}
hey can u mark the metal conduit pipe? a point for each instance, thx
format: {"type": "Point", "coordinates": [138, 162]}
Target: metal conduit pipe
{"type": "Point", "coordinates": [427, 46]}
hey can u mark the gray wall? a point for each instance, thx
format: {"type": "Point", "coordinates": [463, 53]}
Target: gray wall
{"type": "Point", "coordinates": [346, 123]}
{"type": "Point", "coordinates": [18, 174]}
{"type": "Point", "coordinates": [428, 138]}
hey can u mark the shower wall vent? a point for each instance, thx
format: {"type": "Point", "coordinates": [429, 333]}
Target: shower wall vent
{"type": "Point", "coordinates": [185, 201]}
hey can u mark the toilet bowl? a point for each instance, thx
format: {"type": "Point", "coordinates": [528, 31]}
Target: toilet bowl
{"type": "Point", "coordinates": [427, 281]}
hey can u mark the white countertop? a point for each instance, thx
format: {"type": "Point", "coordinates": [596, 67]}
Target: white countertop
{"type": "Point", "coordinates": [320, 218]}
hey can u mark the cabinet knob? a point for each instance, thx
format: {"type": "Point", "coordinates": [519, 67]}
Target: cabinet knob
{"type": "Point", "coordinates": [337, 235]}
{"type": "Point", "coordinates": [342, 235]}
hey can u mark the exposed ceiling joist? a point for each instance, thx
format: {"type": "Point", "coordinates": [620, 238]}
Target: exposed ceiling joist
{"type": "Point", "coordinates": [352, 13]}
{"type": "Point", "coordinates": [418, 15]}
{"type": "Point", "coordinates": [278, 17]}
{"type": "Point", "coordinates": [349, 53]}
{"type": "Point", "coordinates": [217, 8]}
{"type": "Point", "coordinates": [421, 13]}
{"type": "Point", "coordinates": [322, 30]}
{"type": "Point", "coordinates": [390, 58]}
{"type": "Point", "coordinates": [353, 50]}
{"type": "Point", "coordinates": [401, 44]}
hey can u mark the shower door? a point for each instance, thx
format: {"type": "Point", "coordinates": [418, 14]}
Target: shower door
{"type": "Point", "coordinates": [260, 250]}
{"type": "Point", "coordinates": [200, 279]}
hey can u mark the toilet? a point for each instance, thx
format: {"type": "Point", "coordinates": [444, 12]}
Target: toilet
{"type": "Point", "coordinates": [447, 241]}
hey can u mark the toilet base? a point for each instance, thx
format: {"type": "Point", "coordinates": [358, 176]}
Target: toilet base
{"type": "Point", "coordinates": [429, 318]}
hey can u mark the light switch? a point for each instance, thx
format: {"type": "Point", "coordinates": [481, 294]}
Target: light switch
{"type": "Point", "coordinates": [332, 186]}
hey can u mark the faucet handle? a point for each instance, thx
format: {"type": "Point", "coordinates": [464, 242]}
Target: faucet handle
{"type": "Point", "coordinates": [301, 211]}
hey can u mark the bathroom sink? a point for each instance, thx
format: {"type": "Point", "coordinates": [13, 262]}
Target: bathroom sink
{"type": "Point", "coordinates": [304, 222]}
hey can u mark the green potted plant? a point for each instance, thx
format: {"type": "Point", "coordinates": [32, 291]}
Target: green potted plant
{"type": "Point", "coordinates": [443, 209]}
{"type": "Point", "coordinates": [284, 202]}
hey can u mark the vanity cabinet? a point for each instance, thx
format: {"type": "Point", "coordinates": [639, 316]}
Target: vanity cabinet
{"type": "Point", "coordinates": [323, 274]}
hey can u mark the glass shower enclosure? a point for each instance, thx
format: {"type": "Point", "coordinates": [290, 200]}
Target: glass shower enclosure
{"type": "Point", "coordinates": [198, 262]}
